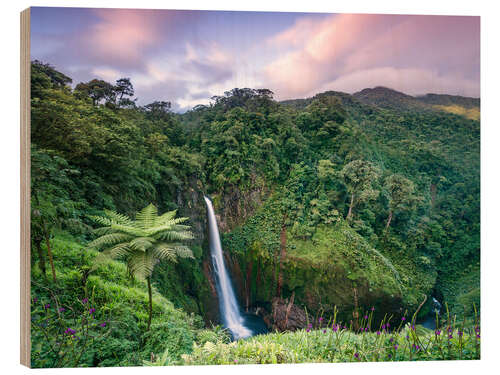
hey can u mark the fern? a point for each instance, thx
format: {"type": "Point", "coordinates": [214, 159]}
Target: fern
{"type": "Point", "coordinates": [142, 242]}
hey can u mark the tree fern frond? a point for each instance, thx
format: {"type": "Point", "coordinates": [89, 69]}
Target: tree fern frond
{"type": "Point", "coordinates": [183, 252]}
{"type": "Point", "coordinates": [119, 218]}
{"type": "Point", "coordinates": [174, 235]}
{"type": "Point", "coordinates": [130, 230]}
{"type": "Point", "coordinates": [164, 251]}
{"type": "Point", "coordinates": [109, 239]}
{"type": "Point", "coordinates": [141, 264]}
{"type": "Point", "coordinates": [167, 216]}
{"type": "Point", "coordinates": [104, 221]}
{"type": "Point", "coordinates": [169, 225]}
{"type": "Point", "coordinates": [141, 243]}
{"type": "Point", "coordinates": [181, 227]}
{"type": "Point", "coordinates": [118, 251]}
{"type": "Point", "coordinates": [103, 230]}
{"type": "Point", "coordinates": [146, 217]}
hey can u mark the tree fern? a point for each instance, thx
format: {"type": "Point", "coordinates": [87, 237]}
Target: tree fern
{"type": "Point", "coordinates": [142, 243]}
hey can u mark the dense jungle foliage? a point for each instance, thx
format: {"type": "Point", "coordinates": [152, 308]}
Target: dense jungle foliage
{"type": "Point", "coordinates": [355, 201]}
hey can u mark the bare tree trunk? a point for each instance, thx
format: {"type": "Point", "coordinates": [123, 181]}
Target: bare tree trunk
{"type": "Point", "coordinates": [349, 214]}
{"type": "Point", "coordinates": [49, 250]}
{"type": "Point", "coordinates": [388, 220]}
{"type": "Point", "coordinates": [150, 295]}
{"type": "Point", "coordinates": [41, 259]}
{"type": "Point", "coordinates": [288, 308]}
{"type": "Point", "coordinates": [282, 258]}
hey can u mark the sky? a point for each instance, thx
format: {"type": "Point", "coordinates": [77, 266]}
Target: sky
{"type": "Point", "coordinates": [186, 57]}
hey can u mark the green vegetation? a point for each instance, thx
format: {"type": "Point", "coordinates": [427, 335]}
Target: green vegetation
{"type": "Point", "coordinates": [356, 201]}
{"type": "Point", "coordinates": [326, 345]}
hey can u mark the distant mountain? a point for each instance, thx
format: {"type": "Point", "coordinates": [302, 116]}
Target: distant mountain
{"type": "Point", "coordinates": [447, 100]}
{"type": "Point", "coordinates": [383, 97]}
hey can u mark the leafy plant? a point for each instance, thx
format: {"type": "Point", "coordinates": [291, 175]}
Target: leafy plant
{"type": "Point", "coordinates": [142, 242]}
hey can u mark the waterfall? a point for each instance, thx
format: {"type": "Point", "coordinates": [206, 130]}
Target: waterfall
{"type": "Point", "coordinates": [228, 305]}
{"type": "Point", "coordinates": [437, 305]}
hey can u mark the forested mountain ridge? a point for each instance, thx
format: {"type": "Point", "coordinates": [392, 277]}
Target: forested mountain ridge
{"type": "Point", "coordinates": [351, 200]}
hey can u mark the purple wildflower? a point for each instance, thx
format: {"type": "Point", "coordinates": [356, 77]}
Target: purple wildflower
{"type": "Point", "coordinates": [335, 328]}
{"type": "Point", "coordinates": [308, 330]}
{"type": "Point", "coordinates": [102, 325]}
{"type": "Point", "coordinates": [366, 317]}
{"type": "Point", "coordinates": [47, 306]}
{"type": "Point", "coordinates": [460, 333]}
{"type": "Point", "coordinates": [92, 310]}
{"type": "Point", "coordinates": [70, 331]}
{"type": "Point", "coordinates": [437, 332]}
{"type": "Point", "coordinates": [390, 355]}
{"type": "Point", "coordinates": [413, 327]}
{"type": "Point", "coordinates": [62, 309]}
{"type": "Point", "coordinates": [403, 318]}
{"type": "Point", "coordinates": [366, 329]}
{"type": "Point", "coordinates": [378, 333]}
{"type": "Point", "coordinates": [396, 347]}
{"type": "Point", "coordinates": [387, 325]}
{"type": "Point", "coordinates": [324, 331]}
{"type": "Point", "coordinates": [450, 329]}
{"type": "Point", "coordinates": [450, 337]}
{"type": "Point", "coordinates": [35, 300]}
{"type": "Point", "coordinates": [407, 337]}
{"type": "Point", "coordinates": [310, 325]}
{"type": "Point", "coordinates": [391, 339]}
{"type": "Point", "coordinates": [85, 300]}
{"type": "Point", "coordinates": [345, 327]}
{"type": "Point", "coordinates": [235, 361]}
{"type": "Point", "coordinates": [417, 347]}
{"type": "Point", "coordinates": [320, 319]}
{"type": "Point", "coordinates": [373, 308]}
{"type": "Point", "coordinates": [478, 336]}
{"type": "Point", "coordinates": [356, 355]}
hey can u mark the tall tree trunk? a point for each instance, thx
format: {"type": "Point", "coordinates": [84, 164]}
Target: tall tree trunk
{"type": "Point", "coordinates": [388, 220]}
{"type": "Point", "coordinates": [41, 258]}
{"type": "Point", "coordinates": [150, 295]}
{"type": "Point", "coordinates": [248, 284]}
{"type": "Point", "coordinates": [49, 250]}
{"type": "Point", "coordinates": [282, 257]}
{"type": "Point", "coordinates": [349, 214]}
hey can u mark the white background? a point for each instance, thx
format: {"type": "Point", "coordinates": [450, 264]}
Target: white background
{"type": "Point", "coordinates": [490, 225]}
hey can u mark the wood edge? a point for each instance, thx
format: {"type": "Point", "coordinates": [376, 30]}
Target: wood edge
{"type": "Point", "coordinates": [25, 164]}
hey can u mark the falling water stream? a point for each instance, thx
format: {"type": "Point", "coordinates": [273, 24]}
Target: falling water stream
{"type": "Point", "coordinates": [229, 308]}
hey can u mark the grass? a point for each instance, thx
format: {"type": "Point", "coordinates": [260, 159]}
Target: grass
{"type": "Point", "coordinates": [340, 344]}
{"type": "Point", "coordinates": [470, 113]}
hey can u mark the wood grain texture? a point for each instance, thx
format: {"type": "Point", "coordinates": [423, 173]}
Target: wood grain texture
{"type": "Point", "coordinates": [25, 190]}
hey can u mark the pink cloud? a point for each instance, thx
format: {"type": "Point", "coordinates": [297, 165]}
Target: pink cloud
{"type": "Point", "coordinates": [341, 45]}
{"type": "Point", "coordinates": [123, 34]}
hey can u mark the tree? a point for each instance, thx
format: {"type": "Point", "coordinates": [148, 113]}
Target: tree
{"type": "Point", "coordinates": [158, 110]}
{"type": "Point", "coordinates": [124, 88]}
{"type": "Point", "coordinates": [358, 176]}
{"type": "Point", "coordinates": [98, 90]}
{"type": "Point", "coordinates": [401, 194]}
{"type": "Point", "coordinates": [45, 76]}
{"type": "Point", "coordinates": [142, 242]}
